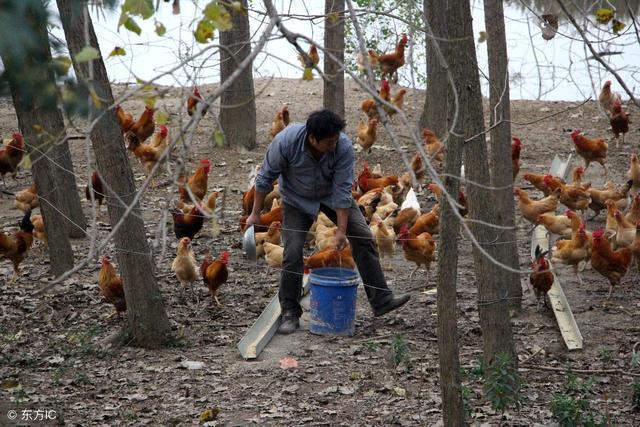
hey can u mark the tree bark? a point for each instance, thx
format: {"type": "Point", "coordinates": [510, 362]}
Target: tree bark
{"type": "Point", "coordinates": [32, 83]}
{"type": "Point", "coordinates": [333, 95]}
{"type": "Point", "coordinates": [147, 321]}
{"type": "Point", "coordinates": [238, 102]}
{"type": "Point", "coordinates": [502, 175]}
{"type": "Point", "coordinates": [492, 290]}
{"type": "Point", "coordinates": [433, 115]}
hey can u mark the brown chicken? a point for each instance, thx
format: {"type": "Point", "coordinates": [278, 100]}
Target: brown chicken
{"type": "Point", "coordinates": [572, 196]}
{"type": "Point", "coordinates": [576, 177]}
{"type": "Point", "coordinates": [428, 222]}
{"type": "Point", "coordinates": [372, 56]}
{"type": "Point", "coordinates": [27, 199]}
{"type": "Point", "coordinates": [516, 146]}
{"type": "Point", "coordinates": [611, 192]}
{"type": "Point", "coordinates": [39, 231]}
{"type": "Point", "coordinates": [591, 150]}
{"type": "Point", "coordinates": [419, 249]}
{"type": "Point", "coordinates": [619, 121]}
{"type": "Point", "coordinates": [197, 182]}
{"type": "Point", "coordinates": [11, 155]}
{"type": "Point", "coordinates": [187, 225]}
{"type": "Point", "coordinates": [142, 129]}
{"type": "Point", "coordinates": [367, 184]}
{"type": "Point", "coordinates": [397, 99]}
{"type": "Point", "coordinates": [111, 286]}
{"type": "Point", "coordinates": [634, 173]}
{"type": "Point", "coordinates": [148, 154]}
{"type": "Point", "coordinates": [573, 252]}
{"type": "Point", "coordinates": [607, 97]}
{"type": "Point", "coordinates": [556, 224]}
{"type": "Point", "coordinates": [390, 62]}
{"type": "Point", "coordinates": [330, 257]}
{"type": "Point", "coordinates": [418, 168]}
{"type": "Point", "coordinates": [273, 236]}
{"type": "Point", "coordinates": [215, 273]}
{"type": "Point", "coordinates": [406, 216]}
{"type": "Point", "coordinates": [15, 247]}
{"type": "Point", "coordinates": [432, 145]}
{"type": "Point", "coordinates": [184, 264]}
{"type": "Point", "coordinates": [368, 106]}
{"type": "Point", "coordinates": [273, 254]}
{"type": "Point", "coordinates": [625, 230]}
{"type": "Point", "coordinates": [309, 61]}
{"type": "Point", "coordinates": [537, 180]}
{"type": "Point", "coordinates": [279, 123]}
{"type": "Point", "coordinates": [530, 209]}
{"type": "Point", "coordinates": [367, 134]}
{"type": "Point", "coordinates": [385, 239]}
{"type": "Point", "coordinates": [613, 265]}
{"type": "Point", "coordinates": [634, 212]}
{"type": "Point", "coordinates": [125, 119]}
{"type": "Point", "coordinates": [193, 100]}
{"type": "Point", "coordinates": [265, 219]}
{"type": "Point", "coordinates": [541, 278]}
{"type": "Point", "coordinates": [95, 186]}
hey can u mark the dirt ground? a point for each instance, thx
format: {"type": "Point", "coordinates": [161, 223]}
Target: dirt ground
{"type": "Point", "coordinates": [53, 352]}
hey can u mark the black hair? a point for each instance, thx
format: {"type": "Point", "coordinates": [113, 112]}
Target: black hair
{"type": "Point", "coordinates": [324, 123]}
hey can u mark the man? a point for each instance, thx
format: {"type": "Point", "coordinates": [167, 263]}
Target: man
{"type": "Point", "coordinates": [315, 163]}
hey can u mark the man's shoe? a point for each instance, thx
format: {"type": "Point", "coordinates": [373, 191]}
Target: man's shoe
{"type": "Point", "coordinates": [290, 322]}
{"type": "Point", "coordinates": [396, 301]}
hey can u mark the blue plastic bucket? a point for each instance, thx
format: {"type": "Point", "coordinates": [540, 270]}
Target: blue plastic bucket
{"type": "Point", "coordinates": [333, 301]}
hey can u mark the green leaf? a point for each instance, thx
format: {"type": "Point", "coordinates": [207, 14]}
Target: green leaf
{"type": "Point", "coordinates": [483, 37]}
{"type": "Point", "coordinates": [132, 26]}
{"type": "Point", "coordinates": [307, 74]}
{"type": "Point", "coordinates": [218, 138]}
{"type": "Point", "coordinates": [87, 53]}
{"type": "Point", "coordinates": [617, 26]}
{"type": "Point", "coordinates": [204, 31]}
{"type": "Point", "coordinates": [218, 15]}
{"type": "Point", "coordinates": [95, 98]}
{"type": "Point", "coordinates": [161, 118]}
{"type": "Point", "coordinates": [142, 8]}
{"type": "Point", "coordinates": [603, 15]}
{"type": "Point", "coordinates": [61, 65]}
{"type": "Point", "coordinates": [149, 100]}
{"type": "Point", "coordinates": [160, 29]}
{"type": "Point", "coordinates": [117, 51]}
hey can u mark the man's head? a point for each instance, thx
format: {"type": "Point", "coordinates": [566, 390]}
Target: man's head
{"type": "Point", "coordinates": [323, 129]}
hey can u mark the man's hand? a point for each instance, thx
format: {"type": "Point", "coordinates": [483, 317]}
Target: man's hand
{"type": "Point", "coordinates": [253, 219]}
{"type": "Point", "coordinates": [340, 240]}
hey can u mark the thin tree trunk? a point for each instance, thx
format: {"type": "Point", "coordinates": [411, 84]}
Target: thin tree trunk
{"type": "Point", "coordinates": [36, 109]}
{"type": "Point", "coordinates": [433, 115]}
{"type": "Point", "coordinates": [502, 175]}
{"type": "Point", "coordinates": [238, 102]}
{"type": "Point", "coordinates": [333, 95]}
{"type": "Point", "coordinates": [147, 321]}
{"type": "Point", "coordinates": [492, 305]}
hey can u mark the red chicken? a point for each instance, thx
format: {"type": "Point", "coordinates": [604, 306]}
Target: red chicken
{"type": "Point", "coordinates": [11, 155]}
{"type": "Point", "coordinates": [390, 62]}
{"type": "Point", "coordinates": [266, 219]}
{"type": "Point", "coordinates": [619, 121]}
{"type": "Point", "coordinates": [16, 247]}
{"type": "Point", "coordinates": [591, 150]}
{"type": "Point", "coordinates": [419, 249]}
{"type": "Point", "coordinates": [215, 273]}
{"type": "Point", "coordinates": [613, 265]}
{"type": "Point", "coordinates": [149, 154]}
{"type": "Point", "coordinates": [143, 128]}
{"type": "Point", "coordinates": [330, 257]}
{"type": "Point", "coordinates": [516, 146]}
{"type": "Point", "coordinates": [187, 225]}
{"type": "Point", "coordinates": [196, 182]}
{"type": "Point", "coordinates": [95, 186]}
{"type": "Point", "coordinates": [111, 286]}
{"type": "Point", "coordinates": [125, 119]}
{"type": "Point", "coordinates": [541, 278]}
{"type": "Point", "coordinates": [192, 102]}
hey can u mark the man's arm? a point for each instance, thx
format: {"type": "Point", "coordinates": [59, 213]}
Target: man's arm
{"type": "Point", "coordinates": [340, 239]}
{"type": "Point", "coordinates": [258, 201]}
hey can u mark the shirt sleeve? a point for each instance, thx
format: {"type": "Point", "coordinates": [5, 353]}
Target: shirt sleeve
{"type": "Point", "coordinates": [341, 197]}
{"type": "Point", "coordinates": [272, 166]}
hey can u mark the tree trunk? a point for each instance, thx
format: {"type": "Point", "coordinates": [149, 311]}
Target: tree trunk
{"type": "Point", "coordinates": [433, 115]}
{"type": "Point", "coordinates": [32, 83]}
{"type": "Point", "coordinates": [502, 175]}
{"type": "Point", "coordinates": [333, 95]}
{"type": "Point", "coordinates": [237, 103]}
{"type": "Point", "coordinates": [492, 305]}
{"type": "Point", "coordinates": [147, 321]}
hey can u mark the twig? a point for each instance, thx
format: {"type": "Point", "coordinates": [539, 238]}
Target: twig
{"type": "Point", "coordinates": [531, 357]}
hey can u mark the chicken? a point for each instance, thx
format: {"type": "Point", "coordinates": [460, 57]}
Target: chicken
{"type": "Point", "coordinates": [516, 146]}
{"type": "Point", "coordinates": [142, 129]}
{"type": "Point", "coordinates": [611, 225]}
{"type": "Point", "coordinates": [409, 212]}
{"type": "Point", "coordinates": [613, 265]}
{"type": "Point", "coordinates": [215, 273]}
{"type": "Point", "coordinates": [111, 286]}
{"type": "Point", "coordinates": [367, 184]}
{"type": "Point", "coordinates": [196, 182]}
{"type": "Point", "coordinates": [390, 62]}
{"type": "Point", "coordinates": [368, 106]}
{"type": "Point", "coordinates": [576, 177]}
{"type": "Point", "coordinates": [591, 150]}
{"type": "Point", "coordinates": [184, 264]}
{"type": "Point", "coordinates": [634, 173]}
{"type": "Point", "coordinates": [330, 257]}
{"type": "Point", "coordinates": [125, 119]}
{"type": "Point", "coordinates": [372, 57]}
{"type": "Point", "coordinates": [324, 236]}
{"type": "Point", "coordinates": [192, 102]}
{"type": "Point", "coordinates": [618, 194]}
{"type": "Point", "coordinates": [573, 252]}
{"type": "Point", "coordinates": [572, 196]}
{"type": "Point", "coordinates": [38, 229]}
{"type": "Point", "coordinates": [634, 212]}
{"type": "Point", "coordinates": [385, 238]}
{"type": "Point", "coordinates": [148, 154]}
{"type": "Point", "coordinates": [463, 207]}
{"type": "Point", "coordinates": [537, 180]}
{"type": "Point", "coordinates": [397, 99]}
{"type": "Point", "coordinates": [418, 168]}
{"type": "Point", "coordinates": [309, 61]}
{"type": "Point", "coordinates": [369, 201]}
{"type": "Point", "coordinates": [273, 254]}
{"type": "Point", "coordinates": [530, 209]}
{"type": "Point", "coordinates": [635, 247]}
{"type": "Point", "coordinates": [607, 97]}
{"type": "Point", "coordinates": [541, 278]}
{"type": "Point", "coordinates": [386, 210]}
{"type": "Point", "coordinates": [625, 230]}
{"type": "Point", "coordinates": [429, 222]}
{"type": "Point", "coordinates": [95, 187]}
{"type": "Point", "coordinates": [265, 219]}
{"type": "Point", "coordinates": [278, 123]}
{"type": "Point", "coordinates": [619, 121]}
{"type": "Point", "coordinates": [556, 224]}
{"type": "Point", "coordinates": [272, 236]}
{"type": "Point", "coordinates": [15, 247]}
{"type": "Point", "coordinates": [419, 249]}
{"type": "Point", "coordinates": [187, 225]}
{"type": "Point", "coordinates": [247, 200]}
{"type": "Point", "coordinates": [367, 134]}
{"type": "Point", "coordinates": [433, 146]}
{"type": "Point", "coordinates": [11, 155]}
{"type": "Point", "coordinates": [27, 199]}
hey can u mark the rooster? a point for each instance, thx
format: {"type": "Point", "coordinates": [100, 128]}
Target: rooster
{"type": "Point", "coordinates": [591, 150]}
{"type": "Point", "coordinates": [516, 146]}
{"type": "Point", "coordinates": [184, 264]}
{"type": "Point", "coordinates": [619, 121]}
{"type": "Point", "coordinates": [95, 187]}
{"type": "Point", "coordinates": [27, 199]}
{"type": "Point", "coordinates": [111, 286]}
{"type": "Point", "coordinates": [16, 247]}
{"type": "Point", "coordinates": [193, 100]}
{"type": "Point", "coordinates": [390, 62]}
{"type": "Point", "coordinates": [419, 249]}
{"type": "Point", "coordinates": [11, 156]}
{"type": "Point", "coordinates": [197, 182]}
{"type": "Point", "coordinates": [607, 97]}
{"type": "Point", "coordinates": [125, 119]}
{"type": "Point", "coordinates": [367, 134]}
{"type": "Point", "coordinates": [149, 154]}
{"type": "Point", "coordinates": [142, 129]}
{"type": "Point", "coordinates": [215, 273]}
{"type": "Point", "coordinates": [541, 278]}
{"type": "Point", "coordinates": [613, 265]}
{"type": "Point", "coordinates": [187, 225]}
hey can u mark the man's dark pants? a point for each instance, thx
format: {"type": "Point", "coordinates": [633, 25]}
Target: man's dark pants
{"type": "Point", "coordinates": [295, 226]}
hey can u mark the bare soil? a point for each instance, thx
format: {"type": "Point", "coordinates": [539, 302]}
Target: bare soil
{"type": "Point", "coordinates": [55, 349]}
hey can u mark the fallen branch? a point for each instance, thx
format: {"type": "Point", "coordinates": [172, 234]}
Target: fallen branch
{"type": "Point", "coordinates": [583, 371]}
